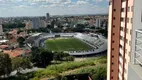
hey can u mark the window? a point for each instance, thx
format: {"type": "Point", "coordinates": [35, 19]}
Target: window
{"type": "Point", "coordinates": [126, 30]}
{"type": "Point", "coordinates": [121, 37]}
{"type": "Point", "coordinates": [128, 9]}
{"type": "Point", "coordinates": [131, 20]}
{"type": "Point", "coordinates": [125, 60]}
{"type": "Point", "coordinates": [127, 20]}
{"type": "Point", "coordinates": [130, 32]}
{"type": "Point", "coordinates": [129, 54]}
{"type": "Point", "coordinates": [125, 71]}
{"type": "Point", "coordinates": [123, 0]}
{"type": "Point", "coordinates": [120, 54]}
{"type": "Point", "coordinates": [122, 9]}
{"type": "Point", "coordinates": [120, 46]}
{"type": "Point", "coordinates": [129, 43]}
{"type": "Point", "coordinates": [126, 51]}
{"type": "Point", "coordinates": [122, 19]}
{"type": "Point", "coordinates": [126, 40]}
{"type": "Point", "coordinates": [132, 8]}
{"type": "Point", "coordinates": [121, 28]}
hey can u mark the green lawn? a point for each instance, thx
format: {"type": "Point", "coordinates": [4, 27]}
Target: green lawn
{"type": "Point", "coordinates": [70, 44]}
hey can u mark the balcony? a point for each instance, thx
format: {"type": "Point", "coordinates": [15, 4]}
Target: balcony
{"type": "Point", "coordinates": [135, 68]}
{"type": "Point", "coordinates": [138, 47]}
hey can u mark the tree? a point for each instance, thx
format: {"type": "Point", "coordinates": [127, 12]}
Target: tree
{"type": "Point", "coordinates": [100, 73]}
{"type": "Point", "coordinates": [68, 58]}
{"type": "Point", "coordinates": [5, 64]}
{"type": "Point", "coordinates": [57, 30]}
{"type": "Point", "coordinates": [61, 56]}
{"type": "Point", "coordinates": [21, 40]}
{"type": "Point", "coordinates": [42, 58]}
{"type": "Point", "coordinates": [20, 63]}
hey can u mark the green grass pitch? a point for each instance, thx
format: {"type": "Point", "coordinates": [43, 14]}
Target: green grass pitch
{"type": "Point", "coordinates": [70, 44]}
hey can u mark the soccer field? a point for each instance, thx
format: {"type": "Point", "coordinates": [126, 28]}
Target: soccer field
{"type": "Point", "coordinates": [70, 44]}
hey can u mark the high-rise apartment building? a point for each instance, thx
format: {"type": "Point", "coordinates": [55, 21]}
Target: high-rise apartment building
{"type": "Point", "coordinates": [36, 23]}
{"type": "Point", "coordinates": [125, 40]}
{"type": "Point", "coordinates": [47, 16]}
{"type": "Point", "coordinates": [99, 22]}
{"type": "Point", "coordinates": [1, 30]}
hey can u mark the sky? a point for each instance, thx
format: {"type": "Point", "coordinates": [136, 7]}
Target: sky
{"type": "Point", "coordinates": [13, 8]}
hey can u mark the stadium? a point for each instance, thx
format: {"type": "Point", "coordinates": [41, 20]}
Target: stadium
{"type": "Point", "coordinates": [76, 44]}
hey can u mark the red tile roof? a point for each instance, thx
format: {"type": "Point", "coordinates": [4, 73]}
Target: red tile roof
{"type": "Point", "coordinates": [3, 46]}
{"type": "Point", "coordinates": [14, 53]}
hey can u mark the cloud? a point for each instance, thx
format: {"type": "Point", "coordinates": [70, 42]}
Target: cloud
{"type": "Point", "coordinates": [98, 0]}
{"type": "Point", "coordinates": [81, 2]}
{"type": "Point", "coordinates": [40, 7]}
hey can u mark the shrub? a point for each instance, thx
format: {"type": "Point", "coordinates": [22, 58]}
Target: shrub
{"type": "Point", "coordinates": [68, 58]}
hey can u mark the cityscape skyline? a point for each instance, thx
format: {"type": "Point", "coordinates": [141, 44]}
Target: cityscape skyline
{"type": "Point", "coordinates": [54, 7]}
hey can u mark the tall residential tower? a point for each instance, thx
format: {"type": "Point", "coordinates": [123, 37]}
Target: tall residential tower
{"type": "Point", "coordinates": [125, 27]}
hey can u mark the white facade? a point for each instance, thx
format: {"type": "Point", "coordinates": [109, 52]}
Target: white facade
{"type": "Point", "coordinates": [135, 70]}
{"type": "Point", "coordinates": [98, 22]}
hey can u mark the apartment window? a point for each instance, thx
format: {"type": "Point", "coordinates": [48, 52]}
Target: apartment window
{"type": "Point", "coordinates": [121, 37]}
{"type": "Point", "coordinates": [131, 20]}
{"type": "Point", "coordinates": [129, 43]}
{"type": "Point", "coordinates": [127, 31]}
{"type": "Point", "coordinates": [121, 28]}
{"type": "Point", "coordinates": [125, 60]}
{"type": "Point", "coordinates": [127, 20]}
{"type": "Point", "coordinates": [120, 64]}
{"type": "Point", "coordinates": [122, 19]}
{"type": "Point", "coordinates": [122, 9]}
{"type": "Point", "coordinates": [123, 0]}
{"type": "Point", "coordinates": [132, 8]}
{"type": "Point", "coordinates": [129, 54]}
{"type": "Point", "coordinates": [126, 51]}
{"type": "Point", "coordinates": [128, 9]}
{"type": "Point", "coordinates": [120, 54]}
{"type": "Point", "coordinates": [125, 72]}
{"type": "Point", "coordinates": [130, 32]}
{"type": "Point", "coordinates": [120, 46]}
{"type": "Point", "coordinates": [126, 40]}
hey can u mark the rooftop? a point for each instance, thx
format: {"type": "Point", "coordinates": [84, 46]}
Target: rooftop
{"type": "Point", "coordinates": [14, 53]}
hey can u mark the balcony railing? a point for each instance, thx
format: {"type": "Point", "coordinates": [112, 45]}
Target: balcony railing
{"type": "Point", "coordinates": [138, 47]}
